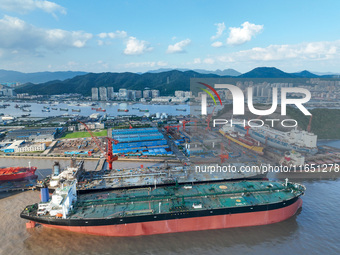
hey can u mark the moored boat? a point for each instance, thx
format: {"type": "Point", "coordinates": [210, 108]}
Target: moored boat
{"type": "Point", "coordinates": [17, 173]}
{"type": "Point", "coordinates": [242, 139]}
{"type": "Point", "coordinates": [177, 208]}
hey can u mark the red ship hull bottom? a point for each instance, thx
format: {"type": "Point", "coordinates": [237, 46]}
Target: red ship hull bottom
{"type": "Point", "coordinates": [19, 176]}
{"type": "Point", "coordinates": [189, 224]}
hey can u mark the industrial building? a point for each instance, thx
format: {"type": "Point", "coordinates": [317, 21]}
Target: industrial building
{"type": "Point", "coordinates": [90, 125]}
{"type": "Point", "coordinates": [36, 134]}
{"type": "Point", "coordinates": [141, 141]}
{"type": "Point", "coordinates": [21, 146]}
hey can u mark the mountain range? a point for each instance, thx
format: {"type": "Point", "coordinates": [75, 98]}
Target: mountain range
{"type": "Point", "coordinates": [39, 77]}
{"type": "Point", "coordinates": [225, 72]}
{"type": "Point", "coordinates": [165, 81]}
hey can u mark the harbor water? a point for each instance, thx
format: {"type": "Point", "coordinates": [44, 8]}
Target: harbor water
{"type": "Point", "coordinates": [86, 110]}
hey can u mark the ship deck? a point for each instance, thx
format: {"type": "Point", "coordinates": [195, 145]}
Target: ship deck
{"type": "Point", "coordinates": [96, 180]}
{"type": "Point", "coordinates": [181, 198]}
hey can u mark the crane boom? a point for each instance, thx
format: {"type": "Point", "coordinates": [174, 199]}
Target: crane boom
{"type": "Point", "coordinates": [94, 138]}
{"type": "Point", "coordinates": [108, 154]}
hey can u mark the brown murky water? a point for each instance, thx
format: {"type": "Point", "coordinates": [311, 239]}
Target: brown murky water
{"type": "Point", "coordinates": [314, 230]}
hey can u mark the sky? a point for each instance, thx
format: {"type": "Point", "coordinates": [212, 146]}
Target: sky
{"type": "Point", "coordinates": [137, 36]}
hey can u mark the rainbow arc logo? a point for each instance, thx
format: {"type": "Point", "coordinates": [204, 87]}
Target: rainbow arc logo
{"type": "Point", "coordinates": [209, 93]}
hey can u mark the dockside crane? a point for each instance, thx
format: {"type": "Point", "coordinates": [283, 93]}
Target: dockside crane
{"type": "Point", "coordinates": [309, 127]}
{"type": "Point", "coordinates": [224, 154]}
{"type": "Point", "coordinates": [108, 153]}
{"type": "Point", "coordinates": [209, 119]}
{"type": "Point", "coordinates": [184, 122]}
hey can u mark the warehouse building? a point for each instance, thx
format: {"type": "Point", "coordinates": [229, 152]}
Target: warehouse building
{"type": "Point", "coordinates": [140, 141]}
{"type": "Point", "coordinates": [22, 146]}
{"type": "Point", "coordinates": [36, 135]}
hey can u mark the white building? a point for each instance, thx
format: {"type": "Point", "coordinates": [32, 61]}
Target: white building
{"type": "Point", "coordinates": [91, 126]}
{"type": "Point", "coordinates": [110, 93]}
{"type": "Point", "coordinates": [187, 93]}
{"type": "Point", "coordinates": [138, 94]}
{"type": "Point", "coordinates": [147, 93]}
{"type": "Point", "coordinates": [123, 94]}
{"type": "Point", "coordinates": [94, 94]}
{"type": "Point", "coordinates": [161, 99]}
{"type": "Point", "coordinates": [155, 93]}
{"type": "Point", "coordinates": [95, 116]}
{"type": "Point", "coordinates": [6, 92]}
{"type": "Point", "coordinates": [179, 93]}
{"type": "Point", "coordinates": [179, 99]}
{"type": "Point", "coordinates": [30, 147]}
{"type": "Point", "coordinates": [103, 93]}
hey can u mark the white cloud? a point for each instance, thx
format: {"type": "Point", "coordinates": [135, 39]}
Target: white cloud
{"type": "Point", "coordinates": [220, 29]}
{"type": "Point", "coordinates": [25, 6]}
{"type": "Point", "coordinates": [178, 47]}
{"type": "Point", "coordinates": [301, 55]}
{"type": "Point", "coordinates": [146, 64]}
{"type": "Point", "coordinates": [242, 35]}
{"type": "Point", "coordinates": [162, 63]}
{"type": "Point", "coordinates": [217, 44]}
{"type": "Point", "coordinates": [209, 61]}
{"type": "Point", "coordinates": [17, 34]}
{"type": "Point", "coordinates": [305, 51]}
{"type": "Point", "coordinates": [136, 47]}
{"type": "Point", "coordinates": [197, 61]}
{"type": "Point", "coordinates": [113, 35]}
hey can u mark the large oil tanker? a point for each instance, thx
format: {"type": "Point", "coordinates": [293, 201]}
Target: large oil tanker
{"type": "Point", "coordinates": [242, 139]}
{"type": "Point", "coordinates": [300, 141]}
{"type": "Point", "coordinates": [89, 181]}
{"type": "Point", "coordinates": [17, 173]}
{"type": "Point", "coordinates": [176, 208]}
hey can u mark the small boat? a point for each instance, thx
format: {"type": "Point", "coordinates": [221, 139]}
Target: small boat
{"type": "Point", "coordinates": [123, 110]}
{"type": "Point", "coordinates": [16, 173]}
{"type": "Point", "coordinates": [63, 109]}
{"type": "Point", "coordinates": [143, 110]}
{"type": "Point", "coordinates": [45, 110]}
{"type": "Point", "coordinates": [75, 110]}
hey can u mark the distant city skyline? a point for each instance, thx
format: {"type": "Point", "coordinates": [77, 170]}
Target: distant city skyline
{"type": "Point", "coordinates": [137, 36]}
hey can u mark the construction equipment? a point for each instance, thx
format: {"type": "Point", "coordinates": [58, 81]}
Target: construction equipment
{"type": "Point", "coordinates": [108, 153]}
{"type": "Point", "coordinates": [224, 155]}
{"type": "Point", "coordinates": [184, 122]}
{"type": "Point", "coordinates": [309, 127]}
{"type": "Point", "coordinates": [168, 128]}
{"type": "Point", "coordinates": [209, 119]}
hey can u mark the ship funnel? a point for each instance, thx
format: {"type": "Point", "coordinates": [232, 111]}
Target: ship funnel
{"type": "Point", "coordinates": [73, 162]}
{"type": "Point", "coordinates": [44, 195]}
{"type": "Point", "coordinates": [56, 168]}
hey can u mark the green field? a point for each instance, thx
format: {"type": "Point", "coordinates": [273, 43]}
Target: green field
{"type": "Point", "coordinates": [83, 134]}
